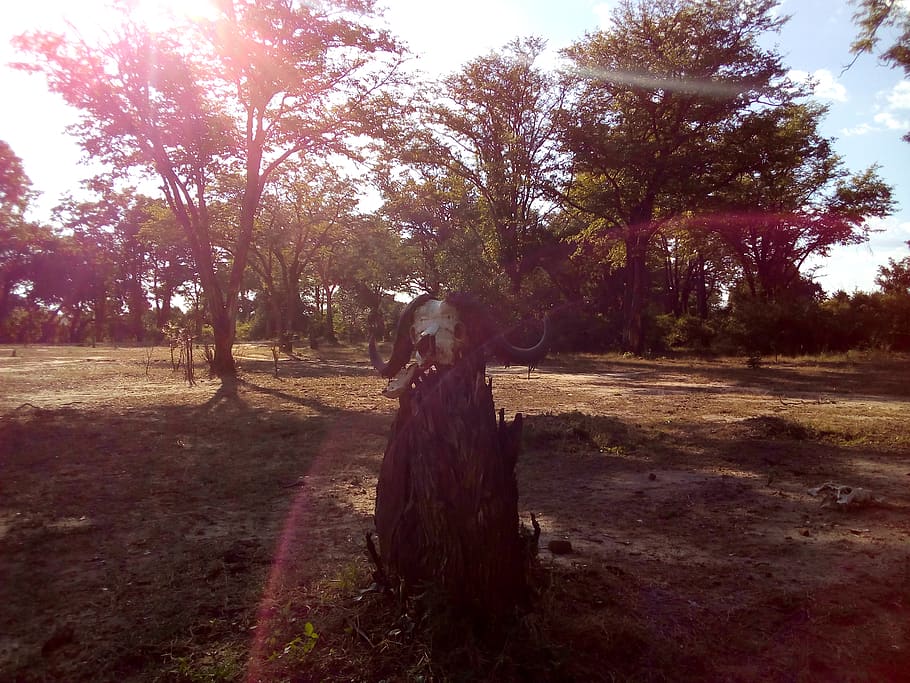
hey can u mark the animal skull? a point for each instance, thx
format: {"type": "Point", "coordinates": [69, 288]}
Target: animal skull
{"type": "Point", "coordinates": [437, 333]}
{"type": "Point", "coordinates": [438, 336]}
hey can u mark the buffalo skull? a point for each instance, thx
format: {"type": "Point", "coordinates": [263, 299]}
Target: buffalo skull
{"type": "Point", "coordinates": [440, 334]}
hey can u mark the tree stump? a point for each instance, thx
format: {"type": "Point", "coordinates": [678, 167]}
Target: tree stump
{"type": "Point", "coordinates": [447, 497]}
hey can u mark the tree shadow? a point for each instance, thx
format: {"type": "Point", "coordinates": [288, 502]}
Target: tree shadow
{"type": "Point", "coordinates": [714, 544]}
{"type": "Point", "coordinates": [159, 517]}
{"type": "Point", "coordinates": [812, 378]}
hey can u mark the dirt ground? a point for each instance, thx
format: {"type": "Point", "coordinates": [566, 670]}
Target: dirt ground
{"type": "Point", "coordinates": [151, 531]}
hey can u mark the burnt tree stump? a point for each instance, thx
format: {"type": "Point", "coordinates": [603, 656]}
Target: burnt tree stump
{"type": "Point", "coordinates": [447, 497]}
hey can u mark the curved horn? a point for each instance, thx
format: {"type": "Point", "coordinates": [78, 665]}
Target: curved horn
{"type": "Point", "coordinates": [524, 356]}
{"type": "Point", "coordinates": [401, 351]}
{"type": "Point", "coordinates": [493, 341]}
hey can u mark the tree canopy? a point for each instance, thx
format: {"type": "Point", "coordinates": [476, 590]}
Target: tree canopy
{"type": "Point", "coordinates": [667, 184]}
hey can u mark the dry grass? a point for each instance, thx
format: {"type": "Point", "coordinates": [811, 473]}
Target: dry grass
{"type": "Point", "coordinates": [150, 531]}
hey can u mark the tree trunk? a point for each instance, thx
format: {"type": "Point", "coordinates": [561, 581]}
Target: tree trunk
{"type": "Point", "coordinates": [635, 293]}
{"type": "Point", "coordinates": [163, 310]}
{"type": "Point", "coordinates": [330, 315]}
{"type": "Point", "coordinates": [223, 331]}
{"type": "Point", "coordinates": [447, 497]}
{"type": "Point", "coordinates": [137, 308]}
{"type": "Point", "coordinates": [701, 289]}
{"type": "Point", "coordinates": [100, 317]}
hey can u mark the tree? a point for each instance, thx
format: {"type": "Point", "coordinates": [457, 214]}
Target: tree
{"type": "Point", "coordinates": [263, 83]}
{"type": "Point", "coordinates": [15, 186]}
{"type": "Point", "coordinates": [654, 99]}
{"type": "Point", "coordinates": [440, 219]}
{"type": "Point", "coordinates": [874, 15]}
{"type": "Point", "coordinates": [789, 198]}
{"type": "Point", "coordinates": [109, 230]}
{"type": "Point", "coordinates": [18, 238]}
{"type": "Point", "coordinates": [169, 258]}
{"type": "Point", "coordinates": [373, 263]}
{"type": "Point", "coordinates": [493, 126]}
{"type": "Point", "coordinates": [695, 266]}
{"type": "Point", "coordinates": [895, 277]}
{"type": "Point", "coordinates": [303, 213]}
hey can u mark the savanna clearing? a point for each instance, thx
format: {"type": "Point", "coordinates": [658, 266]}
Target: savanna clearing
{"type": "Point", "coordinates": [154, 531]}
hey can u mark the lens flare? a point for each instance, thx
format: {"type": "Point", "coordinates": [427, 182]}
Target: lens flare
{"type": "Point", "coordinates": [644, 81]}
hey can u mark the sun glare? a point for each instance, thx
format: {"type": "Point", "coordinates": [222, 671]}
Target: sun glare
{"type": "Point", "coordinates": [161, 15]}
{"type": "Point", "coordinates": [89, 18]}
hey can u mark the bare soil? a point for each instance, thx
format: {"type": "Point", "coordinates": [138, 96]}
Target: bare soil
{"type": "Point", "coordinates": [152, 531]}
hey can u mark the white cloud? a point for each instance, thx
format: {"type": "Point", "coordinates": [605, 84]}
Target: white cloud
{"type": "Point", "coordinates": [899, 97]}
{"type": "Point", "coordinates": [887, 118]}
{"type": "Point", "coordinates": [861, 129]}
{"type": "Point", "coordinates": [890, 122]}
{"type": "Point", "coordinates": [856, 266]}
{"type": "Point", "coordinates": [824, 84]}
{"type": "Point", "coordinates": [827, 87]}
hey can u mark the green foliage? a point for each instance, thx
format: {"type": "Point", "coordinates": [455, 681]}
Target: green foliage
{"type": "Point", "coordinates": [787, 325]}
{"type": "Point", "coordinates": [295, 650]}
{"type": "Point", "coordinates": [895, 277]}
{"type": "Point", "coordinates": [244, 330]}
{"type": "Point", "coordinates": [494, 128]}
{"type": "Point", "coordinates": [686, 332]}
{"type": "Point", "coordinates": [577, 329]}
{"type": "Point", "coordinates": [15, 186]}
{"type": "Point", "coordinates": [659, 98]}
{"type": "Point", "coordinates": [874, 15]}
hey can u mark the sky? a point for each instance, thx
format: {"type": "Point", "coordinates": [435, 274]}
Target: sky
{"type": "Point", "coordinates": [869, 103]}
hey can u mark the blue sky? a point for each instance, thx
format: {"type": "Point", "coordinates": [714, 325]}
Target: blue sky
{"type": "Point", "coordinates": [869, 103]}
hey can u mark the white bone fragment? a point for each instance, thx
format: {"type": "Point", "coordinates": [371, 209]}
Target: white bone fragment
{"type": "Point", "coordinates": [401, 382]}
{"type": "Point", "coordinates": [843, 496]}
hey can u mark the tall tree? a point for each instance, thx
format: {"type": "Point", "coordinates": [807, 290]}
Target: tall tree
{"type": "Point", "coordinates": [791, 198]}
{"type": "Point", "coordinates": [168, 257]}
{"type": "Point", "coordinates": [264, 82]}
{"type": "Point", "coordinates": [304, 212]}
{"type": "Point", "coordinates": [654, 95]}
{"type": "Point", "coordinates": [109, 230]}
{"type": "Point", "coordinates": [493, 126]}
{"type": "Point", "coordinates": [695, 265]}
{"type": "Point", "coordinates": [440, 219]}
{"type": "Point", "coordinates": [18, 238]}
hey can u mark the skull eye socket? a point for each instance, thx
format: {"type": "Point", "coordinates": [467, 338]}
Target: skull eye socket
{"type": "Point", "coordinates": [458, 331]}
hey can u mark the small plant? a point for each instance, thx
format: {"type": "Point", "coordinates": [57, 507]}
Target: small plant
{"type": "Point", "coordinates": [754, 361]}
{"type": "Point", "coordinates": [299, 647]}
